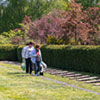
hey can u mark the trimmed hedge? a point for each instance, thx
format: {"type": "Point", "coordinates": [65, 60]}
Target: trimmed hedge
{"type": "Point", "coordinates": [19, 50]}
{"type": "Point", "coordinates": [77, 58]}
{"type": "Point", "coordinates": [8, 52]}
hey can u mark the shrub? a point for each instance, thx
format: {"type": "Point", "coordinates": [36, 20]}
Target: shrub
{"type": "Point", "coordinates": [19, 50]}
{"type": "Point", "coordinates": [4, 40]}
{"type": "Point", "coordinates": [54, 40]}
{"type": "Point", "coordinates": [77, 58]}
{"type": "Point", "coordinates": [15, 36]}
{"type": "Point", "coordinates": [8, 52]}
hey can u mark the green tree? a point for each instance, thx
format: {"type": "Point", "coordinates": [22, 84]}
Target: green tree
{"type": "Point", "coordinates": [12, 12]}
{"type": "Point", "coordinates": [38, 8]}
{"type": "Point", "coordinates": [88, 3]}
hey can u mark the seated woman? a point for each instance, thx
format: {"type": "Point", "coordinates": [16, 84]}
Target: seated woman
{"type": "Point", "coordinates": [36, 59]}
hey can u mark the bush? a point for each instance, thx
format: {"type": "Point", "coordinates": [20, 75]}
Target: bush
{"type": "Point", "coordinates": [53, 40]}
{"type": "Point", "coordinates": [77, 58]}
{"type": "Point", "coordinates": [15, 36]}
{"type": "Point", "coordinates": [4, 40]}
{"type": "Point", "coordinates": [8, 52]}
{"type": "Point", "coordinates": [19, 50]}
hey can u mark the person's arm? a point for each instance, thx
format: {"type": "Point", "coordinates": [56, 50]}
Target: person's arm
{"type": "Point", "coordinates": [33, 53]}
{"type": "Point", "coordinates": [23, 52]}
{"type": "Point", "coordinates": [40, 54]}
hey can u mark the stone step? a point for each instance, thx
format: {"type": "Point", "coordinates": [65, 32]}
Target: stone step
{"type": "Point", "coordinates": [83, 76]}
{"type": "Point", "coordinates": [55, 73]}
{"type": "Point", "coordinates": [69, 73]}
{"type": "Point", "coordinates": [97, 84]}
{"type": "Point", "coordinates": [48, 72]}
{"type": "Point", "coordinates": [64, 74]}
{"type": "Point", "coordinates": [48, 69]}
{"type": "Point", "coordinates": [60, 73]}
{"type": "Point", "coordinates": [55, 70]}
{"type": "Point", "coordinates": [73, 75]}
{"type": "Point", "coordinates": [51, 70]}
{"type": "Point", "coordinates": [85, 79]}
{"type": "Point", "coordinates": [64, 71]}
{"type": "Point", "coordinates": [93, 81]}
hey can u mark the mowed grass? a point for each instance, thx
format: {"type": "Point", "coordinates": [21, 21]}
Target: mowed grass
{"type": "Point", "coordinates": [15, 85]}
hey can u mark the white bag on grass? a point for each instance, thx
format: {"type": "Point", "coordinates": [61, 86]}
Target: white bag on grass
{"type": "Point", "coordinates": [23, 65]}
{"type": "Point", "coordinates": [43, 66]}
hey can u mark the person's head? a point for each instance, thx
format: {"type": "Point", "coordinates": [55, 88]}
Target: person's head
{"type": "Point", "coordinates": [37, 46]}
{"type": "Point", "coordinates": [30, 44]}
{"type": "Point", "coordinates": [27, 44]}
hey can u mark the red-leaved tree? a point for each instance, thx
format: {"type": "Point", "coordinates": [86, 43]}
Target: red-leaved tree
{"type": "Point", "coordinates": [47, 26]}
{"type": "Point", "coordinates": [93, 19]}
{"type": "Point", "coordinates": [73, 24]}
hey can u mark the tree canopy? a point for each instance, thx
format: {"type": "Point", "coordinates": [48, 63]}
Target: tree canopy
{"type": "Point", "coordinates": [12, 12]}
{"type": "Point", "coordinates": [88, 3]}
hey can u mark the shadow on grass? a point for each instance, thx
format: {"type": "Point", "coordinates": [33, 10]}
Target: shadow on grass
{"type": "Point", "coordinates": [18, 74]}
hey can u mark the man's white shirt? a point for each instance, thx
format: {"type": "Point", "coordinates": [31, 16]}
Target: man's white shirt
{"type": "Point", "coordinates": [26, 52]}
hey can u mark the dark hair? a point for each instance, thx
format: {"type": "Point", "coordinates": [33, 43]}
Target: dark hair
{"type": "Point", "coordinates": [37, 46]}
{"type": "Point", "coordinates": [30, 43]}
{"type": "Point", "coordinates": [27, 44]}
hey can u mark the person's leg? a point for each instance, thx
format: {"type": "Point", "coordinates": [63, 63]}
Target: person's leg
{"type": "Point", "coordinates": [41, 73]}
{"type": "Point", "coordinates": [30, 66]}
{"type": "Point", "coordinates": [27, 65]}
{"type": "Point", "coordinates": [41, 70]}
{"type": "Point", "coordinates": [35, 69]}
{"type": "Point", "coordinates": [38, 66]}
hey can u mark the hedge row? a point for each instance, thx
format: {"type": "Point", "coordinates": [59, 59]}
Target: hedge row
{"type": "Point", "coordinates": [19, 50]}
{"type": "Point", "coordinates": [77, 58]}
{"type": "Point", "coordinates": [8, 52]}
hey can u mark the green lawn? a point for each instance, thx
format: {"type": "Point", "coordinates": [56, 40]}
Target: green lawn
{"type": "Point", "coordinates": [15, 85]}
